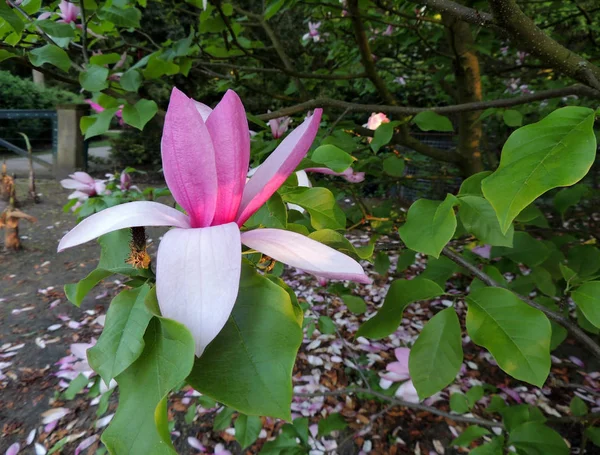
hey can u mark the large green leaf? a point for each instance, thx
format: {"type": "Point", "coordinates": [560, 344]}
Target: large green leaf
{"type": "Point", "coordinates": [56, 29]}
{"type": "Point", "coordinates": [249, 365]}
{"type": "Point", "coordinates": [556, 151]}
{"type": "Point", "coordinates": [332, 157]}
{"type": "Point", "coordinates": [140, 424]}
{"type": "Point", "coordinates": [471, 186]}
{"type": "Point", "coordinates": [437, 355]}
{"type": "Point", "coordinates": [534, 438]}
{"type": "Point", "coordinates": [122, 340]}
{"type": "Point", "coordinates": [11, 17]}
{"type": "Point", "coordinates": [526, 249]}
{"type": "Point", "coordinates": [50, 54]}
{"type": "Point", "coordinates": [320, 204]}
{"type": "Point", "coordinates": [140, 113]}
{"type": "Point", "coordinates": [517, 335]}
{"type": "Point", "coordinates": [114, 252]}
{"type": "Point", "coordinates": [478, 218]}
{"type": "Point", "coordinates": [429, 225]}
{"type": "Point", "coordinates": [587, 298]}
{"type": "Point", "coordinates": [93, 79]}
{"type": "Point", "coordinates": [399, 296]}
{"type": "Point", "coordinates": [121, 17]}
{"type": "Point", "coordinates": [431, 121]}
{"type": "Point", "coordinates": [393, 166]}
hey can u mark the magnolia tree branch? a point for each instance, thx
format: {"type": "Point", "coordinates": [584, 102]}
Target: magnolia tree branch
{"type": "Point", "coordinates": [577, 89]}
{"type": "Point", "coordinates": [459, 11]}
{"type": "Point", "coordinates": [577, 333]}
{"type": "Point", "coordinates": [296, 74]}
{"type": "Point", "coordinates": [407, 404]}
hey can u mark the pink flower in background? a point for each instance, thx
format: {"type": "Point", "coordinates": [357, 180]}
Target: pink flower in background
{"type": "Point", "coordinates": [84, 185]}
{"type": "Point", "coordinates": [397, 372]}
{"type": "Point", "coordinates": [313, 32]}
{"type": "Point", "coordinates": [96, 107]}
{"type": "Point", "coordinates": [279, 126]}
{"type": "Point", "coordinates": [521, 57]}
{"type": "Point", "coordinates": [198, 262]}
{"type": "Point", "coordinates": [68, 12]}
{"type": "Point", "coordinates": [401, 80]}
{"type": "Point", "coordinates": [484, 251]}
{"type": "Point", "coordinates": [349, 174]}
{"type": "Point", "coordinates": [375, 120]}
{"type": "Point", "coordinates": [388, 31]}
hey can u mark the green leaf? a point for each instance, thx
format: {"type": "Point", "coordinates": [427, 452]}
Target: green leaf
{"type": "Point", "coordinates": [431, 121]}
{"type": "Point", "coordinates": [494, 273]}
{"type": "Point", "coordinates": [584, 260]}
{"type": "Point", "coordinates": [100, 124]}
{"type": "Point", "coordinates": [320, 204]}
{"type": "Point", "coordinates": [556, 151]}
{"type": "Point", "coordinates": [459, 403]}
{"type": "Point", "coordinates": [140, 113]}
{"type": "Point", "coordinates": [56, 29]}
{"type": "Point", "coordinates": [247, 429]}
{"type": "Point", "coordinates": [526, 250]}
{"type": "Point", "coordinates": [533, 438]}
{"type": "Point", "coordinates": [121, 17]}
{"type": "Point", "coordinates": [76, 386]}
{"type": "Point", "coordinates": [332, 157]}
{"type": "Point", "coordinates": [355, 304]}
{"type": "Point", "coordinates": [339, 242]}
{"type": "Point", "coordinates": [512, 118]}
{"type": "Point", "coordinates": [474, 394]}
{"type": "Point", "coordinates": [470, 434]}
{"type": "Point", "coordinates": [114, 253]}
{"type": "Point", "coordinates": [405, 260]}
{"type": "Point", "coordinates": [248, 366]}
{"type": "Point", "coordinates": [50, 54]}
{"type": "Point", "coordinates": [517, 335]}
{"type": "Point", "coordinates": [105, 59]}
{"type": "Point", "coordinates": [568, 197]}
{"type": "Point", "coordinates": [383, 134]}
{"type": "Point", "coordinates": [131, 80]}
{"type": "Point", "coordinates": [326, 325]}
{"type": "Point", "coordinates": [333, 422]}
{"type": "Point", "coordinates": [273, 214]}
{"type": "Point", "coordinates": [496, 404]}
{"type": "Point", "coordinates": [494, 447]}
{"type": "Point", "coordinates": [429, 225]}
{"type": "Point", "coordinates": [223, 419]}
{"type": "Point", "coordinates": [593, 434]}
{"type": "Point", "coordinates": [587, 298]}
{"type": "Point", "coordinates": [578, 407]}
{"type": "Point", "coordinates": [393, 166]}
{"type": "Point", "coordinates": [140, 424]}
{"type": "Point", "coordinates": [382, 263]}
{"type": "Point", "coordinates": [543, 281]}
{"type": "Point", "coordinates": [478, 218]}
{"type": "Point", "coordinates": [5, 55]}
{"type": "Point", "coordinates": [94, 78]}
{"type": "Point", "coordinates": [12, 19]}
{"type": "Point", "coordinates": [401, 294]}
{"type": "Point", "coordinates": [439, 270]}
{"type": "Point", "coordinates": [273, 8]}
{"type": "Point", "coordinates": [158, 67]}
{"type": "Point", "coordinates": [437, 355]}
{"type": "Point", "coordinates": [122, 340]}
{"type": "Point", "coordinates": [471, 186]}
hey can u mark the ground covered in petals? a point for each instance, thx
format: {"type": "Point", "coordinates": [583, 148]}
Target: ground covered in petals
{"type": "Point", "coordinates": [51, 402]}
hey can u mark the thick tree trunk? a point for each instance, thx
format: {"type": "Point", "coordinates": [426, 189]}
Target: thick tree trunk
{"type": "Point", "coordinates": [468, 89]}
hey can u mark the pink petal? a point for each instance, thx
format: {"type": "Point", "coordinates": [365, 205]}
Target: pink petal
{"type": "Point", "coordinates": [72, 184]}
{"type": "Point", "coordinates": [228, 129]}
{"type": "Point", "coordinates": [278, 166]}
{"type": "Point", "coordinates": [85, 444]}
{"type": "Point", "coordinates": [304, 253]}
{"type": "Point", "coordinates": [83, 177]}
{"type": "Point", "coordinates": [402, 355]}
{"type": "Point", "coordinates": [196, 444]}
{"type": "Point", "coordinates": [14, 449]}
{"type": "Point", "coordinates": [407, 392]}
{"type": "Point", "coordinates": [140, 213]}
{"type": "Point", "coordinates": [188, 159]}
{"type": "Point", "coordinates": [197, 278]}
{"type": "Point", "coordinates": [202, 109]}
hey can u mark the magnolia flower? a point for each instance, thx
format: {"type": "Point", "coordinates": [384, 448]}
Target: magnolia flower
{"type": "Point", "coordinates": [349, 174]}
{"type": "Point", "coordinates": [279, 126]}
{"type": "Point", "coordinates": [84, 185]}
{"type": "Point", "coordinates": [313, 32]}
{"type": "Point", "coordinates": [388, 31]}
{"type": "Point", "coordinates": [401, 80]}
{"type": "Point", "coordinates": [96, 107]}
{"type": "Point", "coordinates": [125, 181]}
{"type": "Point", "coordinates": [375, 120]}
{"type": "Point", "coordinates": [68, 12]}
{"type": "Point", "coordinates": [398, 371]}
{"type": "Point", "coordinates": [198, 262]}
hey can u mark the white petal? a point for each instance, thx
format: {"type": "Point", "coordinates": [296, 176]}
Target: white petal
{"type": "Point", "coordinates": [304, 253]}
{"type": "Point", "coordinates": [141, 213]}
{"type": "Point", "coordinates": [51, 415]}
{"type": "Point", "coordinates": [197, 278]}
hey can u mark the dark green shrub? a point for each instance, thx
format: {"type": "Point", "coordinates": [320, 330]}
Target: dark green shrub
{"type": "Point", "coordinates": [18, 93]}
{"type": "Point", "coordinates": [138, 148]}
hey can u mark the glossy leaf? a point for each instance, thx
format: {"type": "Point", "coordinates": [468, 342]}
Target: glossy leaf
{"type": "Point", "coordinates": [93, 79]}
{"type": "Point", "coordinates": [429, 225]}
{"type": "Point", "coordinates": [247, 429]}
{"type": "Point", "coordinates": [51, 54]}
{"type": "Point", "coordinates": [383, 135]}
{"type": "Point", "coordinates": [393, 166]}
{"type": "Point", "coordinates": [478, 218]}
{"type": "Point", "coordinates": [249, 365]}
{"type": "Point", "coordinates": [320, 204]}
{"type": "Point", "coordinates": [401, 294]}
{"type": "Point", "coordinates": [517, 335]}
{"type": "Point", "coordinates": [471, 186]}
{"type": "Point", "coordinates": [355, 304]}
{"type": "Point", "coordinates": [140, 113]}
{"type": "Point", "coordinates": [332, 157]}
{"type": "Point", "coordinates": [587, 298]}
{"type": "Point", "coordinates": [556, 151]}
{"type": "Point", "coordinates": [431, 121]}
{"type": "Point", "coordinates": [533, 438]}
{"type": "Point", "coordinates": [512, 118]}
{"type": "Point", "coordinates": [526, 250]}
{"type": "Point", "coordinates": [437, 355]}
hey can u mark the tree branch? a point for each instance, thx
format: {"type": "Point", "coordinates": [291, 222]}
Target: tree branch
{"type": "Point", "coordinates": [459, 11]}
{"type": "Point", "coordinates": [331, 77]}
{"type": "Point", "coordinates": [579, 334]}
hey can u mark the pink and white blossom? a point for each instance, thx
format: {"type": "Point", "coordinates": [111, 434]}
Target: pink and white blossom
{"type": "Point", "coordinates": [199, 261]}
{"type": "Point", "coordinates": [375, 120]}
{"type": "Point", "coordinates": [279, 126]}
{"type": "Point", "coordinates": [313, 32]}
{"type": "Point", "coordinates": [84, 185]}
{"type": "Point", "coordinates": [397, 372]}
